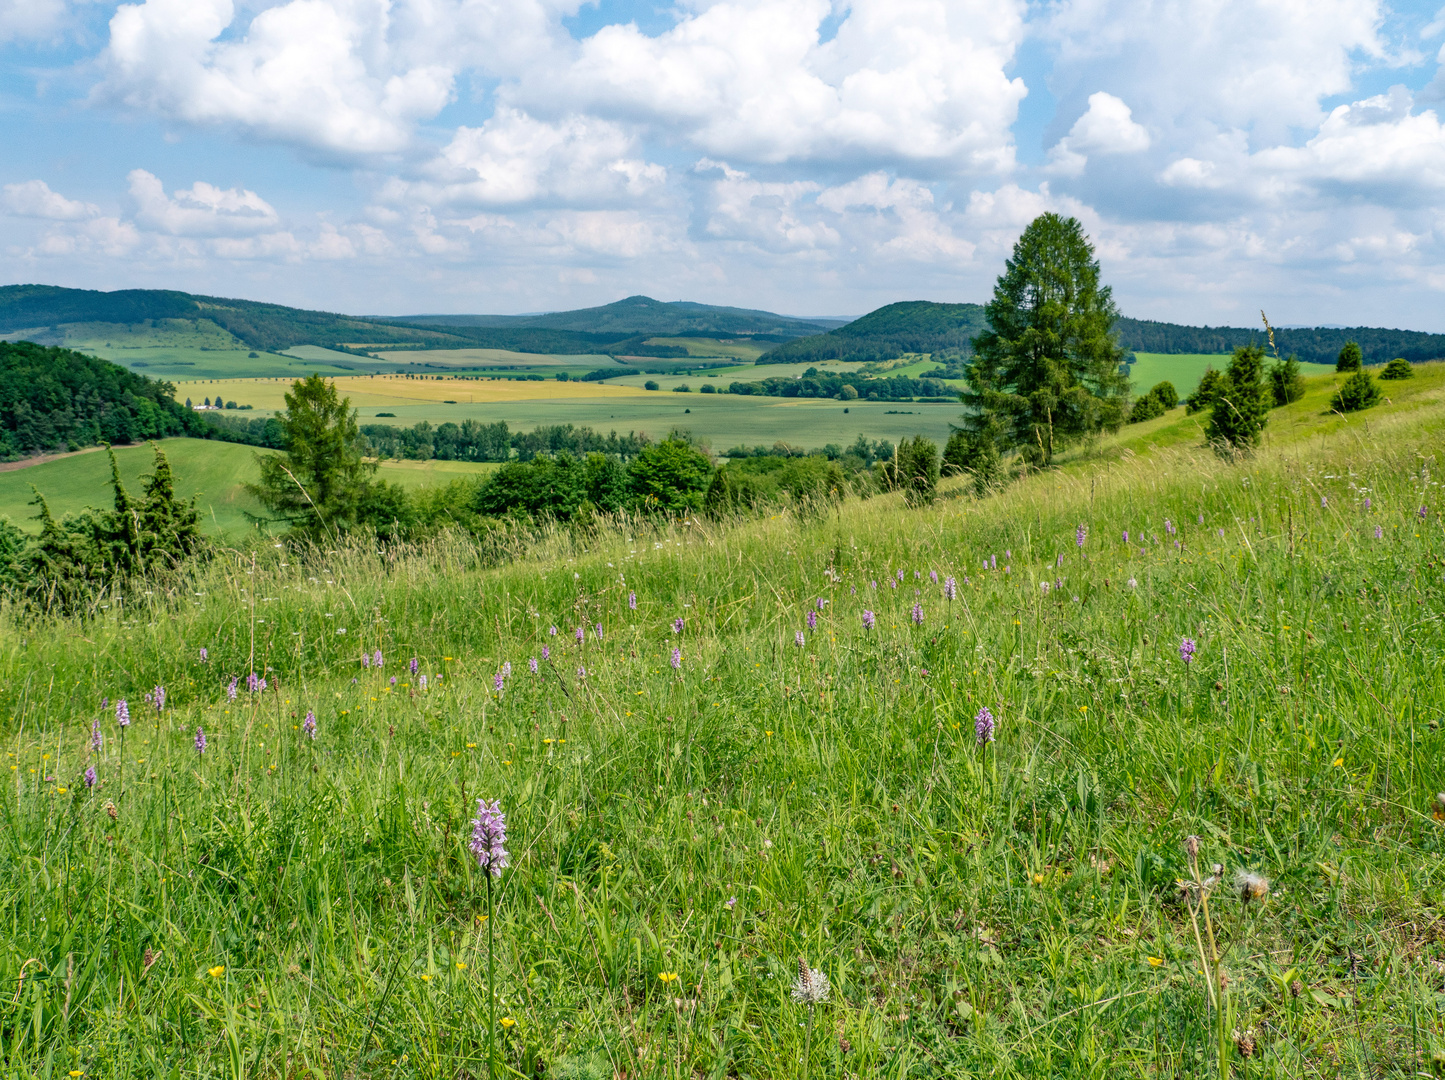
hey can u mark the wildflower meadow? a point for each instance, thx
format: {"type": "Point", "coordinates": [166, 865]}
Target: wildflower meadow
{"type": "Point", "coordinates": [1134, 769]}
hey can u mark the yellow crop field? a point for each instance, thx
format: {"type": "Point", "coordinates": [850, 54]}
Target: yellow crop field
{"type": "Point", "coordinates": [382, 390]}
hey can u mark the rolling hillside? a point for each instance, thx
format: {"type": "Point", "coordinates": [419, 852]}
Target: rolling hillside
{"type": "Point", "coordinates": [56, 316]}
{"type": "Point", "coordinates": [915, 326]}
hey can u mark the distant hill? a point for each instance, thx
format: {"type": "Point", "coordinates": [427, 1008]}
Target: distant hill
{"type": "Point", "coordinates": [42, 311]}
{"type": "Point", "coordinates": [944, 329]}
{"type": "Point", "coordinates": [913, 326]}
{"type": "Point", "coordinates": [1314, 345]}
{"type": "Point", "coordinates": [646, 316]}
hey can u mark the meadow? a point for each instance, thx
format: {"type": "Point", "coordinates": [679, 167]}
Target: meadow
{"type": "Point", "coordinates": [215, 472]}
{"type": "Point", "coordinates": [752, 741]}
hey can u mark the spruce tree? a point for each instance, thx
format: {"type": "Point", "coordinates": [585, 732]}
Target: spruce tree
{"type": "Point", "coordinates": [1350, 358]}
{"type": "Point", "coordinates": [1047, 371]}
{"type": "Point", "coordinates": [1241, 407]}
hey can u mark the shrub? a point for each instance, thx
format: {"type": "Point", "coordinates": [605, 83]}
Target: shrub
{"type": "Point", "coordinates": [1206, 392]}
{"type": "Point", "coordinates": [1350, 358]}
{"type": "Point", "coordinates": [1165, 392]}
{"type": "Point", "coordinates": [1147, 407]}
{"type": "Point", "coordinates": [682, 388]}
{"type": "Point", "coordinates": [1398, 368]}
{"type": "Point", "coordinates": [650, 384]}
{"type": "Point", "coordinates": [976, 455]}
{"type": "Point", "coordinates": [848, 393]}
{"type": "Point", "coordinates": [707, 388]}
{"type": "Point", "coordinates": [1285, 382]}
{"type": "Point", "coordinates": [1359, 392]}
{"type": "Point", "coordinates": [914, 471]}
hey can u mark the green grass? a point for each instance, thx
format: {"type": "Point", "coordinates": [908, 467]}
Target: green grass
{"type": "Point", "coordinates": [213, 471]}
{"type": "Point", "coordinates": [743, 351]}
{"type": "Point", "coordinates": [283, 906]}
{"type": "Point", "coordinates": [1185, 370]}
{"type": "Point", "coordinates": [722, 419]}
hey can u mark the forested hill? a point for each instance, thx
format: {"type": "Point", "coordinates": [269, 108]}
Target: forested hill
{"type": "Point", "coordinates": [1315, 345]}
{"type": "Point", "coordinates": [41, 311]}
{"type": "Point", "coordinates": [644, 315]}
{"type": "Point", "coordinates": [948, 329]}
{"type": "Point", "coordinates": [913, 326]}
{"type": "Point", "coordinates": [55, 399]}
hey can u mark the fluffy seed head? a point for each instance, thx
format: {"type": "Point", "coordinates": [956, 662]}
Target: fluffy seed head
{"type": "Point", "coordinates": [1251, 886]}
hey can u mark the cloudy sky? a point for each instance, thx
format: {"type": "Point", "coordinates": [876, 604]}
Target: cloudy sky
{"type": "Point", "coordinates": [806, 156]}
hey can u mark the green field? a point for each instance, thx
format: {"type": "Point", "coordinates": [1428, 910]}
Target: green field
{"type": "Point", "coordinates": [213, 471]}
{"type": "Point", "coordinates": [723, 420]}
{"type": "Point", "coordinates": [684, 827]}
{"type": "Point", "coordinates": [1185, 370]}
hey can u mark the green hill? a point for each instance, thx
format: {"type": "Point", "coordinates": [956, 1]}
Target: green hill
{"type": "Point", "coordinates": [641, 315]}
{"type": "Point", "coordinates": [942, 329]}
{"type": "Point", "coordinates": [914, 326]}
{"type": "Point", "coordinates": [1316, 345]}
{"type": "Point", "coordinates": [57, 316]}
{"type": "Point", "coordinates": [58, 399]}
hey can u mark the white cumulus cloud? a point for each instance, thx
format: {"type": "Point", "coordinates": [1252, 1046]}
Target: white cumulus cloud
{"type": "Point", "coordinates": [1107, 127]}
{"type": "Point", "coordinates": [317, 73]}
{"type": "Point", "coordinates": [200, 210]}
{"type": "Point", "coordinates": [34, 199]}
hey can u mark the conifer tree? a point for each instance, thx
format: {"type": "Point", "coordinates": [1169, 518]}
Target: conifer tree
{"type": "Point", "coordinates": [1047, 371]}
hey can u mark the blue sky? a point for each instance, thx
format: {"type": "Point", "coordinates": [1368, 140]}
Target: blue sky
{"type": "Point", "coordinates": [805, 156]}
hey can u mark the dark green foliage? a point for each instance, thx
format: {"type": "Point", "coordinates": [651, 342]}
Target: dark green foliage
{"type": "Point", "coordinates": [911, 327]}
{"type": "Point", "coordinates": [1242, 403]}
{"type": "Point", "coordinates": [914, 471]}
{"type": "Point", "coordinates": [1165, 393]}
{"type": "Point", "coordinates": [254, 432]}
{"type": "Point", "coordinates": [1317, 345]}
{"type": "Point", "coordinates": [975, 454]}
{"type": "Point", "coordinates": [322, 485]}
{"type": "Point", "coordinates": [846, 386]}
{"type": "Point", "coordinates": [650, 384]}
{"type": "Point", "coordinates": [555, 487]}
{"type": "Point", "coordinates": [1286, 384]}
{"type": "Point", "coordinates": [670, 477]}
{"type": "Point", "coordinates": [1046, 372]}
{"type": "Point", "coordinates": [148, 537]}
{"type": "Point", "coordinates": [1359, 392]}
{"type": "Point", "coordinates": [1159, 400]}
{"type": "Point", "coordinates": [1398, 368]}
{"type": "Point", "coordinates": [57, 399]}
{"type": "Point", "coordinates": [1206, 393]}
{"type": "Point", "coordinates": [707, 388]}
{"type": "Point", "coordinates": [750, 484]}
{"type": "Point", "coordinates": [1350, 358]}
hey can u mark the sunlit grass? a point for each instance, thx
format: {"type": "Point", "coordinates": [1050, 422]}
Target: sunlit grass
{"type": "Point", "coordinates": [309, 906]}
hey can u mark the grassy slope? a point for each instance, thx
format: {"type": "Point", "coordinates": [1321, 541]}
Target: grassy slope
{"type": "Point", "coordinates": [1006, 912]}
{"type": "Point", "coordinates": [215, 471]}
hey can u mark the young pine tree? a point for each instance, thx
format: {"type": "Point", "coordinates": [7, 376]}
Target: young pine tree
{"type": "Point", "coordinates": [1359, 392]}
{"type": "Point", "coordinates": [1350, 358]}
{"type": "Point", "coordinates": [1047, 371]}
{"type": "Point", "coordinates": [321, 483]}
{"type": "Point", "coordinates": [1241, 408]}
{"type": "Point", "coordinates": [1286, 384]}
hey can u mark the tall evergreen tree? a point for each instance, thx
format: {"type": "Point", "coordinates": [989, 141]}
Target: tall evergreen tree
{"type": "Point", "coordinates": [1047, 371]}
{"type": "Point", "coordinates": [170, 530]}
{"type": "Point", "coordinates": [1350, 358]}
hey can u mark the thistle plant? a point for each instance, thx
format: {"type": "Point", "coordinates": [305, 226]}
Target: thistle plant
{"type": "Point", "coordinates": [489, 847]}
